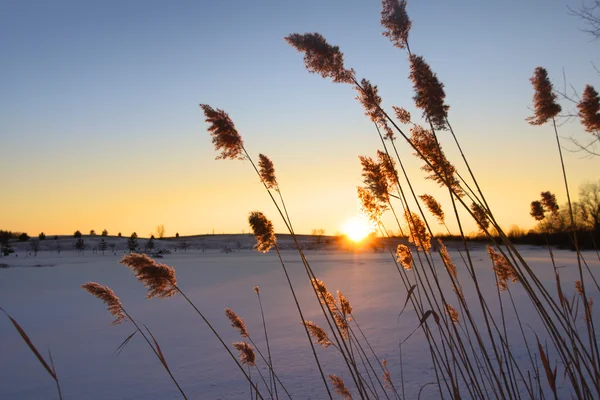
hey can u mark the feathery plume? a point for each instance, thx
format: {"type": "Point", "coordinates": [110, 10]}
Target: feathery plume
{"type": "Point", "coordinates": [224, 135]}
{"type": "Point", "coordinates": [321, 57]}
{"type": "Point", "coordinates": [589, 109]}
{"type": "Point", "coordinates": [579, 287]}
{"type": "Point", "coordinates": [158, 278]}
{"type": "Point", "coordinates": [537, 210]}
{"type": "Point", "coordinates": [404, 256]}
{"type": "Point", "coordinates": [256, 289]}
{"type": "Point", "coordinates": [452, 313]}
{"type": "Point", "coordinates": [434, 207]}
{"type": "Point", "coordinates": [236, 322]}
{"type": "Point", "coordinates": [263, 231]}
{"type": "Point", "coordinates": [480, 217]}
{"type": "Point", "coordinates": [588, 310]}
{"type": "Point", "coordinates": [371, 102]}
{"type": "Point", "coordinates": [429, 92]}
{"type": "Point", "coordinates": [369, 205]}
{"type": "Point", "coordinates": [318, 333]}
{"type": "Point", "coordinates": [267, 171]}
{"type": "Point", "coordinates": [375, 178]}
{"type": "Point", "coordinates": [395, 19]}
{"type": "Point", "coordinates": [419, 236]}
{"type": "Point", "coordinates": [325, 295]}
{"type": "Point", "coordinates": [345, 306]}
{"type": "Point", "coordinates": [545, 106]}
{"type": "Point", "coordinates": [424, 140]}
{"type": "Point", "coordinates": [340, 387]}
{"type": "Point", "coordinates": [387, 377]}
{"type": "Point", "coordinates": [446, 258]}
{"type": "Point", "coordinates": [109, 298]}
{"type": "Point", "coordinates": [402, 114]}
{"type": "Point", "coordinates": [549, 202]}
{"type": "Point", "coordinates": [247, 355]}
{"type": "Point", "coordinates": [503, 269]}
{"type": "Point", "coordinates": [388, 168]}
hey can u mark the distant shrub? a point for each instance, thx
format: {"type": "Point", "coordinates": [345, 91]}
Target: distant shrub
{"type": "Point", "coordinates": [42, 236]}
{"type": "Point", "coordinates": [77, 234]}
{"type": "Point", "coordinates": [23, 237]}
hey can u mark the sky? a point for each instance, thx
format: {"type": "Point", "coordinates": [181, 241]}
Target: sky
{"type": "Point", "coordinates": [100, 126]}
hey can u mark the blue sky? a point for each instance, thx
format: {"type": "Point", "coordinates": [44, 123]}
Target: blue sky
{"type": "Point", "coordinates": [101, 127]}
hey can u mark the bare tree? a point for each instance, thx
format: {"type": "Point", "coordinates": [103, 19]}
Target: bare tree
{"type": "Point", "coordinates": [589, 13]}
{"type": "Point", "coordinates": [160, 231]}
{"type": "Point", "coordinates": [589, 204]}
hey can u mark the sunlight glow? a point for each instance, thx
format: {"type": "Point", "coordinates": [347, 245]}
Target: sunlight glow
{"type": "Point", "coordinates": [357, 228]}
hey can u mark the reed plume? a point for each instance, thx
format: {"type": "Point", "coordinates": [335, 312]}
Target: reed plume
{"type": "Point", "coordinates": [320, 57]}
{"type": "Point", "coordinates": [395, 19]}
{"type": "Point", "coordinates": [256, 290]}
{"type": "Point", "coordinates": [537, 210]}
{"type": "Point", "coordinates": [345, 306]}
{"type": "Point", "coordinates": [589, 109]}
{"type": "Point", "coordinates": [452, 313]}
{"type": "Point", "coordinates": [480, 217]}
{"type": "Point", "coordinates": [441, 170]}
{"type": "Point", "coordinates": [224, 135]}
{"type": "Point", "coordinates": [419, 235]}
{"type": "Point", "coordinates": [402, 114]}
{"type": "Point", "coordinates": [371, 102]}
{"type": "Point", "coordinates": [388, 168]}
{"type": "Point", "coordinates": [247, 355]}
{"type": "Point", "coordinates": [450, 266]}
{"type": "Point", "coordinates": [237, 322]}
{"type": "Point", "coordinates": [375, 178]}
{"type": "Point", "coordinates": [434, 207]}
{"type": "Point", "coordinates": [579, 287]}
{"type": "Point", "coordinates": [503, 269]}
{"type": "Point", "coordinates": [429, 92]}
{"type": "Point", "coordinates": [324, 294]}
{"type": "Point", "coordinates": [549, 202]}
{"type": "Point", "coordinates": [109, 298]}
{"type": "Point", "coordinates": [387, 377]}
{"type": "Point", "coordinates": [267, 171]}
{"type": "Point", "coordinates": [318, 333]}
{"type": "Point", "coordinates": [404, 256]}
{"type": "Point", "coordinates": [340, 387]}
{"type": "Point", "coordinates": [158, 278]}
{"type": "Point", "coordinates": [370, 206]}
{"type": "Point", "coordinates": [263, 231]}
{"type": "Point", "coordinates": [545, 106]}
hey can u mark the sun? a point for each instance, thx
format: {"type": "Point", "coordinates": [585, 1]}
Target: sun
{"type": "Point", "coordinates": [357, 228]}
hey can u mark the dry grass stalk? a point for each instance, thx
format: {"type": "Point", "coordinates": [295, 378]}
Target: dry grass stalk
{"type": "Point", "coordinates": [589, 109]}
{"type": "Point", "coordinates": [158, 278]}
{"type": "Point", "coordinates": [247, 355]}
{"type": "Point", "coordinates": [588, 310]}
{"type": "Point", "coordinates": [429, 92]}
{"type": "Point", "coordinates": [256, 290]}
{"type": "Point", "coordinates": [318, 333]}
{"type": "Point", "coordinates": [480, 217]}
{"type": "Point", "coordinates": [503, 269]}
{"type": "Point", "coordinates": [402, 114]}
{"type": "Point", "coordinates": [404, 256]}
{"type": "Point", "coordinates": [395, 19]}
{"type": "Point", "coordinates": [441, 170]}
{"type": "Point", "coordinates": [434, 207]}
{"type": "Point", "coordinates": [447, 260]}
{"type": "Point", "coordinates": [579, 287]}
{"type": "Point", "coordinates": [371, 102]}
{"type": "Point", "coordinates": [109, 297]}
{"type": "Point", "coordinates": [340, 387]}
{"type": "Point", "coordinates": [545, 106]}
{"type": "Point", "coordinates": [452, 313]}
{"type": "Point", "coordinates": [224, 135]}
{"type": "Point", "coordinates": [263, 231]}
{"type": "Point", "coordinates": [320, 57]}
{"type": "Point", "coordinates": [387, 377]}
{"type": "Point", "coordinates": [267, 171]}
{"type": "Point", "coordinates": [236, 322]}
{"type": "Point", "coordinates": [419, 235]}
{"type": "Point", "coordinates": [369, 205]}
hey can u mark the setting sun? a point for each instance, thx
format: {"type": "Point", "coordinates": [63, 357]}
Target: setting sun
{"type": "Point", "coordinates": [357, 228]}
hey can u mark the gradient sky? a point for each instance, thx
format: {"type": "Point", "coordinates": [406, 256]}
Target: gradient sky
{"type": "Point", "coordinates": [100, 126]}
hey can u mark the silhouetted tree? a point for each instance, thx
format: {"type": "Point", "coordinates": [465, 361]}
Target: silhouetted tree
{"type": "Point", "coordinates": [92, 233]}
{"type": "Point", "coordinates": [119, 234]}
{"type": "Point", "coordinates": [23, 237]}
{"type": "Point", "coordinates": [177, 235]}
{"type": "Point", "coordinates": [42, 236]}
{"type": "Point", "coordinates": [589, 205]}
{"type": "Point", "coordinates": [318, 234]}
{"type": "Point", "coordinates": [105, 233]}
{"type": "Point", "coordinates": [150, 244]}
{"type": "Point", "coordinates": [132, 242]}
{"type": "Point", "coordinates": [102, 246]}
{"type": "Point", "coordinates": [160, 231]}
{"type": "Point", "coordinates": [77, 234]}
{"type": "Point", "coordinates": [80, 244]}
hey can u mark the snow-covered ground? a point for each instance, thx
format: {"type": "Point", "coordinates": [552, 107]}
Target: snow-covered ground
{"type": "Point", "coordinates": [44, 295]}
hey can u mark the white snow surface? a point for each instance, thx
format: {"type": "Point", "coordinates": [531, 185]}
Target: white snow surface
{"type": "Point", "coordinates": [44, 295]}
